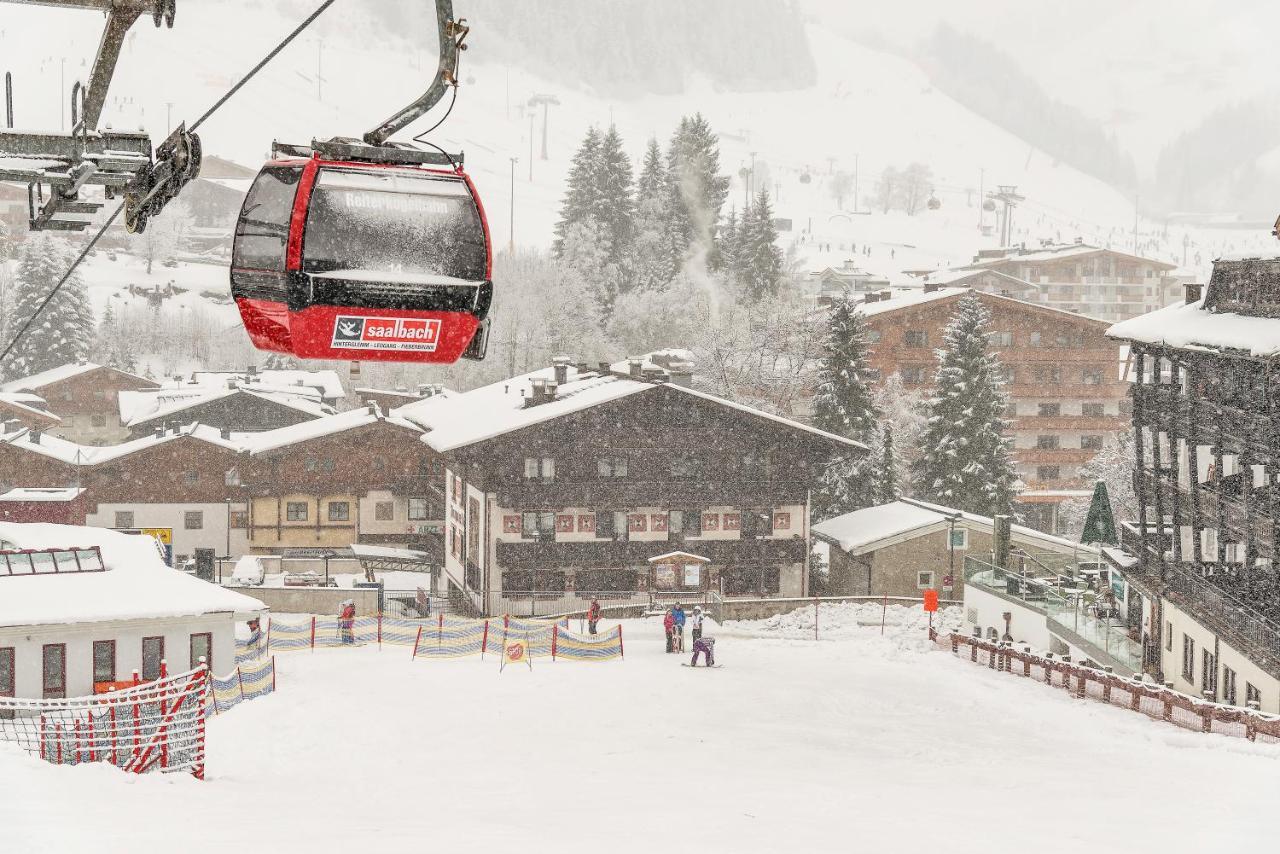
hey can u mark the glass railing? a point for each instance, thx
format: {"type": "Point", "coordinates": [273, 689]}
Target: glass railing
{"type": "Point", "coordinates": [1035, 593]}
{"type": "Point", "coordinates": [1071, 616]}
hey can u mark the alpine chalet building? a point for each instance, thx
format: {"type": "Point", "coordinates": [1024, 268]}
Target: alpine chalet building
{"type": "Point", "coordinates": [570, 483]}
{"type": "Point", "coordinates": [1202, 554]}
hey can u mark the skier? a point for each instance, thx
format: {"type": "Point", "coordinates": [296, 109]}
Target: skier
{"type": "Point", "coordinates": [697, 623]}
{"type": "Point", "coordinates": [255, 633]}
{"type": "Point", "coordinates": [593, 616]}
{"type": "Point", "coordinates": [347, 620]}
{"type": "Point", "coordinates": [679, 618]}
{"type": "Point", "coordinates": [706, 645]}
{"type": "Point", "coordinates": [669, 624]}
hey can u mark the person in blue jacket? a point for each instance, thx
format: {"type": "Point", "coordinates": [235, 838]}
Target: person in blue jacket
{"type": "Point", "coordinates": [678, 614]}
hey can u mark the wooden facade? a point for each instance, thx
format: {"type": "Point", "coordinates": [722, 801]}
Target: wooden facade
{"type": "Point", "coordinates": [87, 402]}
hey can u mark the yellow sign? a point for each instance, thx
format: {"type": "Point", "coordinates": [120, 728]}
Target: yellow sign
{"type": "Point", "coordinates": [163, 535]}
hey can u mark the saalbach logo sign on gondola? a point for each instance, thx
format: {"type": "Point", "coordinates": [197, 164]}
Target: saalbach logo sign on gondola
{"type": "Point", "coordinates": [386, 333]}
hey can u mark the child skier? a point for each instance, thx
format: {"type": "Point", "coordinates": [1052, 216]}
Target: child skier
{"type": "Point", "coordinates": [679, 618]}
{"type": "Point", "coordinates": [347, 621]}
{"type": "Point", "coordinates": [669, 624]}
{"type": "Point", "coordinates": [706, 645]}
{"type": "Point", "coordinates": [593, 616]}
{"type": "Point", "coordinates": [697, 623]}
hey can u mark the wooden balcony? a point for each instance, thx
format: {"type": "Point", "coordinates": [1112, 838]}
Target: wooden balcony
{"type": "Point", "coordinates": [531, 554]}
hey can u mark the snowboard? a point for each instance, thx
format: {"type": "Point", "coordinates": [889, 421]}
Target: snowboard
{"type": "Point", "coordinates": [686, 664]}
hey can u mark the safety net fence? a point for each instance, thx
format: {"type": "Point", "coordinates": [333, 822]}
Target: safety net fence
{"type": "Point", "coordinates": [147, 726]}
{"type": "Point", "coordinates": [442, 636]}
{"type": "Point", "coordinates": [1138, 694]}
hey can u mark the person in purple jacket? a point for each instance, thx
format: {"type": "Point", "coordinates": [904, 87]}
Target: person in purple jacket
{"type": "Point", "coordinates": [704, 645]}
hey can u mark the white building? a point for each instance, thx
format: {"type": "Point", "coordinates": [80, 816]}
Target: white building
{"type": "Point", "coordinates": [80, 606]}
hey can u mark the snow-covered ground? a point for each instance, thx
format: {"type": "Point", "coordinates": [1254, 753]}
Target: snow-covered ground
{"type": "Point", "coordinates": [866, 743]}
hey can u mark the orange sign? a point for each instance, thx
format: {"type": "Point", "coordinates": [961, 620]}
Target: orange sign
{"type": "Point", "coordinates": [931, 600]}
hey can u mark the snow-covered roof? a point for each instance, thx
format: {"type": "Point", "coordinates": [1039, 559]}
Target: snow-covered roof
{"type": "Point", "coordinates": [27, 404]}
{"type": "Point", "coordinates": [77, 454]}
{"type": "Point", "coordinates": [950, 277]}
{"type": "Point", "coordinates": [388, 553]}
{"type": "Point", "coordinates": [874, 528]}
{"type": "Point", "coordinates": [58, 374]}
{"type": "Point", "coordinates": [669, 555]}
{"type": "Point", "coordinates": [136, 584]}
{"type": "Point", "coordinates": [1061, 252]}
{"type": "Point", "coordinates": [455, 421]}
{"type": "Point", "coordinates": [908, 298]}
{"type": "Point", "coordinates": [139, 407]}
{"type": "Point", "coordinates": [34, 493]}
{"type": "Point", "coordinates": [326, 382]}
{"type": "Point", "coordinates": [658, 360]}
{"type": "Point", "coordinates": [270, 440]}
{"type": "Point", "coordinates": [1191, 326]}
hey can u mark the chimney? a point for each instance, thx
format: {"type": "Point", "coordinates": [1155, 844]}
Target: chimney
{"type": "Point", "coordinates": [636, 368]}
{"type": "Point", "coordinates": [931, 287]}
{"type": "Point", "coordinates": [1193, 292]}
{"type": "Point", "coordinates": [560, 364]}
{"type": "Point", "coordinates": [654, 375]}
{"type": "Point", "coordinates": [252, 370]}
{"type": "Point", "coordinates": [159, 431]}
{"type": "Point", "coordinates": [231, 382]}
{"type": "Point", "coordinates": [225, 432]}
{"type": "Point", "coordinates": [604, 368]}
{"type": "Point", "coordinates": [1079, 241]}
{"type": "Point", "coordinates": [682, 378]}
{"type": "Point", "coordinates": [886, 294]}
{"type": "Point", "coordinates": [35, 435]}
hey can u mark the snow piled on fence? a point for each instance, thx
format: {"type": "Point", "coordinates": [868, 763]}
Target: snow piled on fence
{"type": "Point", "coordinates": [842, 620]}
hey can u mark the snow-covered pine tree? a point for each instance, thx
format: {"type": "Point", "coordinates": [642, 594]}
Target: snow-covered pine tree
{"type": "Point", "coordinates": [64, 331]}
{"type": "Point", "coordinates": [696, 189]}
{"type": "Point", "coordinates": [760, 258]}
{"type": "Point", "coordinates": [650, 264]}
{"type": "Point", "coordinates": [614, 203]}
{"type": "Point", "coordinates": [889, 474]}
{"type": "Point", "coordinates": [843, 405]}
{"type": "Point", "coordinates": [653, 181]}
{"type": "Point", "coordinates": [730, 246]}
{"type": "Point", "coordinates": [966, 462]}
{"type": "Point", "coordinates": [580, 202]}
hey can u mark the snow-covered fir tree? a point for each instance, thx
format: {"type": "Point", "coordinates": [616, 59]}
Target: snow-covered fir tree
{"type": "Point", "coordinates": [965, 462]}
{"type": "Point", "coordinates": [758, 259]}
{"type": "Point", "coordinates": [615, 201]}
{"type": "Point", "coordinates": [650, 264]}
{"type": "Point", "coordinates": [64, 331]}
{"type": "Point", "coordinates": [889, 472]}
{"type": "Point", "coordinates": [843, 405]}
{"type": "Point", "coordinates": [696, 189]}
{"type": "Point", "coordinates": [580, 195]}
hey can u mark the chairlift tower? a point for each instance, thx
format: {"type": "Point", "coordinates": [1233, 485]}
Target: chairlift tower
{"type": "Point", "coordinates": [1007, 195]}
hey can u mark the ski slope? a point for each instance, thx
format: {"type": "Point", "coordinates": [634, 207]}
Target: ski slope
{"type": "Point", "coordinates": [866, 743]}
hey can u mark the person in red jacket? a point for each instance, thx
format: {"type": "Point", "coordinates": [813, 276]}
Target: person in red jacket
{"type": "Point", "coordinates": [593, 616]}
{"type": "Point", "coordinates": [347, 620]}
{"type": "Point", "coordinates": [669, 623]}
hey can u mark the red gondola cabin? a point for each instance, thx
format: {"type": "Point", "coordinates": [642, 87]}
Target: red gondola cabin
{"type": "Point", "coordinates": [341, 259]}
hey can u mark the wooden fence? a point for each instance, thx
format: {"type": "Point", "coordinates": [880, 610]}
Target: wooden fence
{"type": "Point", "coordinates": [1137, 694]}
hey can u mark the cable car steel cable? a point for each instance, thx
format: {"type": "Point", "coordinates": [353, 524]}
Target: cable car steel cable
{"type": "Point", "coordinates": [321, 9]}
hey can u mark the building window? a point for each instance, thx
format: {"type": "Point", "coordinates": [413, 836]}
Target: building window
{"type": "Point", "coordinates": [685, 466]}
{"type": "Point", "coordinates": [193, 520]}
{"type": "Point", "coordinates": [418, 510]}
{"type": "Point", "coordinates": [1091, 376]}
{"type": "Point", "coordinates": [54, 670]}
{"type": "Point", "coordinates": [1048, 473]}
{"type": "Point", "coordinates": [959, 538]}
{"type": "Point", "coordinates": [1208, 671]}
{"type": "Point", "coordinates": [604, 525]}
{"type": "Point", "coordinates": [538, 525]}
{"type": "Point", "coordinates": [873, 336]}
{"type": "Point", "coordinates": [339, 511]}
{"type": "Point", "coordinates": [1188, 659]}
{"type": "Point", "coordinates": [190, 476]}
{"type": "Point", "coordinates": [1091, 443]}
{"type": "Point", "coordinates": [104, 661]}
{"type": "Point", "coordinates": [1045, 375]}
{"type": "Point", "coordinates": [310, 464]}
{"type": "Point", "coordinates": [1002, 339]}
{"type": "Point", "coordinates": [1050, 410]}
{"type": "Point", "coordinates": [8, 672]}
{"type": "Point", "coordinates": [384, 511]}
{"type": "Point", "coordinates": [1228, 686]}
{"type": "Point", "coordinates": [1093, 410]}
{"type": "Point", "coordinates": [915, 338]}
{"type": "Point", "coordinates": [152, 655]}
{"type": "Point", "coordinates": [871, 375]}
{"type": "Point", "coordinates": [124, 518]}
{"type": "Point", "coordinates": [686, 522]}
{"type": "Point", "coordinates": [913, 374]}
{"type": "Point", "coordinates": [924, 579]}
{"type": "Point", "coordinates": [1034, 340]}
{"type": "Point", "coordinates": [239, 519]}
{"type": "Point", "coordinates": [202, 647]}
{"type": "Point", "coordinates": [1168, 636]}
{"type": "Point", "coordinates": [295, 511]}
{"type": "Point", "coordinates": [1047, 443]}
{"type": "Point", "coordinates": [540, 468]}
{"type": "Point", "coordinates": [611, 466]}
{"type": "Point", "coordinates": [98, 420]}
{"type": "Point", "coordinates": [327, 464]}
{"type": "Point", "coordinates": [1252, 695]}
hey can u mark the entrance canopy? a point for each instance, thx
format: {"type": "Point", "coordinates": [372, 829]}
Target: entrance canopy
{"type": "Point", "coordinates": [385, 559]}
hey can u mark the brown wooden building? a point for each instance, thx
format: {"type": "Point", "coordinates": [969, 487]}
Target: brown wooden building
{"type": "Point", "coordinates": [562, 484]}
{"type": "Point", "coordinates": [1064, 381]}
{"type": "Point", "coordinates": [85, 397]}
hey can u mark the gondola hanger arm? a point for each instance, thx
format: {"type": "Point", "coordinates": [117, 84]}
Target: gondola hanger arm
{"type": "Point", "coordinates": [453, 35]}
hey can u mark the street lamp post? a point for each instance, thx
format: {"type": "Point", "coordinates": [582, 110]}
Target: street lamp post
{"type": "Point", "coordinates": [511, 243]}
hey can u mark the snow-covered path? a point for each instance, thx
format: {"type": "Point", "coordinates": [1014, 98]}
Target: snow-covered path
{"type": "Point", "coordinates": [863, 743]}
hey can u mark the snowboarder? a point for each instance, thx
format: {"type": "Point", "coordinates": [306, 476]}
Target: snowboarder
{"type": "Point", "coordinates": [704, 645]}
{"type": "Point", "coordinates": [679, 618]}
{"type": "Point", "coordinates": [593, 616]}
{"type": "Point", "coordinates": [669, 624]}
{"type": "Point", "coordinates": [347, 620]}
{"type": "Point", "coordinates": [697, 623]}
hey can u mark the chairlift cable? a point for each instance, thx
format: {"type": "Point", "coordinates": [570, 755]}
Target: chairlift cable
{"type": "Point", "coordinates": [323, 7]}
